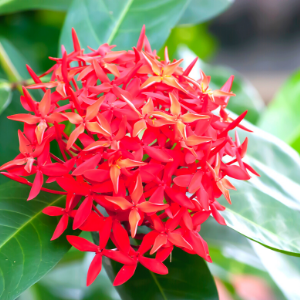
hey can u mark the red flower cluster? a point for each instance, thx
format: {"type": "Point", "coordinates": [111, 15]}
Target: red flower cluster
{"type": "Point", "coordinates": [147, 148]}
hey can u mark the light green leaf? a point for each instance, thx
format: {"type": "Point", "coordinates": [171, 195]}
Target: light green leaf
{"type": "Point", "coordinates": [11, 6]}
{"type": "Point", "coordinates": [266, 209]}
{"type": "Point", "coordinates": [26, 252]}
{"type": "Point", "coordinates": [282, 116]}
{"type": "Point", "coordinates": [247, 98]}
{"type": "Point", "coordinates": [199, 11]}
{"type": "Point", "coordinates": [119, 22]}
{"type": "Point", "coordinates": [284, 269]}
{"type": "Point", "coordinates": [5, 94]}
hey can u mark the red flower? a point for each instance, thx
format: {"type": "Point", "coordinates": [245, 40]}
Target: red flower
{"type": "Point", "coordinates": [148, 147]}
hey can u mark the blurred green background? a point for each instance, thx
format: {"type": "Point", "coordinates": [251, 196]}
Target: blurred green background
{"type": "Point", "coordinates": [259, 42]}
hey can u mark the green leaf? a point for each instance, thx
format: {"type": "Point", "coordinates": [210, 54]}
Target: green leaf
{"type": "Point", "coordinates": [247, 98]}
{"type": "Point", "coordinates": [9, 132]}
{"type": "Point", "coordinates": [234, 255]}
{"type": "Point", "coordinates": [12, 6]}
{"type": "Point", "coordinates": [119, 22]}
{"type": "Point", "coordinates": [199, 11]}
{"type": "Point", "coordinates": [5, 94]}
{"type": "Point", "coordinates": [26, 252]}
{"type": "Point", "coordinates": [285, 272]}
{"type": "Point", "coordinates": [282, 116]}
{"type": "Point", "coordinates": [266, 209]}
{"type": "Point", "coordinates": [11, 59]}
{"type": "Point", "coordinates": [188, 278]}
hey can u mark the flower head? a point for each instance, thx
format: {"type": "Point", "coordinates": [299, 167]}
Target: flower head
{"type": "Point", "coordinates": [148, 146]}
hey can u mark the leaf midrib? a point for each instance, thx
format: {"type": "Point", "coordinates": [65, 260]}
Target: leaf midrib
{"type": "Point", "coordinates": [28, 222]}
{"type": "Point", "coordinates": [158, 285]}
{"type": "Point", "coordinates": [119, 21]}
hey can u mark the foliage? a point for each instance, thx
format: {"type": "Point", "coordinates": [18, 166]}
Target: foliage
{"type": "Point", "coordinates": [271, 201]}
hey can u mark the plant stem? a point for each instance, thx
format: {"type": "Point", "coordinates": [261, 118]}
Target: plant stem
{"type": "Point", "coordinates": [9, 69]}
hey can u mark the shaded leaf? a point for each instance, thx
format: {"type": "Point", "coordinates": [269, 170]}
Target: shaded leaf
{"type": "Point", "coordinates": [26, 252]}
{"type": "Point", "coordinates": [119, 22]}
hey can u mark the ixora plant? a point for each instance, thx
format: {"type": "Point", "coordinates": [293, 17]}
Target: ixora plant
{"type": "Point", "coordinates": [147, 158]}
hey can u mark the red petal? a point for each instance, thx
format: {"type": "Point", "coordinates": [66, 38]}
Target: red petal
{"type": "Point", "coordinates": [153, 265]}
{"type": "Point", "coordinates": [87, 165]}
{"type": "Point", "coordinates": [37, 185]}
{"type": "Point", "coordinates": [179, 198]}
{"type": "Point", "coordinates": [121, 237]}
{"type": "Point", "coordinates": [183, 180]}
{"type": "Point", "coordinates": [61, 227]}
{"type": "Point", "coordinates": [200, 217]}
{"type": "Point", "coordinates": [104, 233]}
{"type": "Point", "coordinates": [81, 244]}
{"type": "Point", "coordinates": [119, 257]}
{"type": "Point", "coordinates": [217, 215]}
{"type": "Point", "coordinates": [158, 154]}
{"type": "Point", "coordinates": [93, 223]}
{"type": "Point", "coordinates": [53, 211]}
{"type": "Point", "coordinates": [120, 201]}
{"type": "Point", "coordinates": [178, 240]}
{"type": "Point", "coordinates": [124, 274]}
{"type": "Point", "coordinates": [94, 269]}
{"type": "Point", "coordinates": [83, 212]}
{"type": "Point", "coordinates": [148, 207]}
{"type": "Point", "coordinates": [134, 218]}
{"type": "Point", "coordinates": [160, 240]}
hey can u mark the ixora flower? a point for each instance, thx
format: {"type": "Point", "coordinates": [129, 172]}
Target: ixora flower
{"type": "Point", "coordinates": [147, 146]}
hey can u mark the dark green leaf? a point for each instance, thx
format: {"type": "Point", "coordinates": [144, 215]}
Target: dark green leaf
{"type": "Point", "coordinates": [119, 22]}
{"type": "Point", "coordinates": [5, 94]}
{"type": "Point", "coordinates": [199, 11]}
{"type": "Point", "coordinates": [17, 5]}
{"type": "Point", "coordinates": [26, 252]}
{"type": "Point", "coordinates": [282, 116]}
{"type": "Point", "coordinates": [247, 98]}
{"type": "Point", "coordinates": [266, 209]}
{"type": "Point", "coordinates": [9, 132]}
{"type": "Point", "coordinates": [188, 278]}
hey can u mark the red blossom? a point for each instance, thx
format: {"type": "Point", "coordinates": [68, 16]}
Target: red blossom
{"type": "Point", "coordinates": [150, 147]}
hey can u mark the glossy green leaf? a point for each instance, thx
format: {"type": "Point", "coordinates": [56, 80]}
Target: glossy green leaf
{"type": "Point", "coordinates": [285, 271]}
{"type": "Point", "coordinates": [247, 98]}
{"type": "Point", "coordinates": [26, 252]}
{"type": "Point", "coordinates": [234, 258]}
{"type": "Point", "coordinates": [5, 94]}
{"type": "Point", "coordinates": [282, 116]}
{"type": "Point", "coordinates": [11, 6]}
{"type": "Point", "coordinates": [266, 209]}
{"type": "Point", "coordinates": [199, 11]}
{"type": "Point", "coordinates": [188, 278]}
{"type": "Point", "coordinates": [119, 22]}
